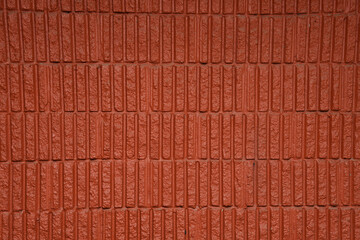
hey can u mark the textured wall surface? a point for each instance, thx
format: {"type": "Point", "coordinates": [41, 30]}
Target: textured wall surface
{"type": "Point", "coordinates": [170, 119]}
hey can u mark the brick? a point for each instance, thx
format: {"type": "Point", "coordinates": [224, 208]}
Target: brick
{"type": "Point", "coordinates": [203, 137]}
{"type": "Point", "coordinates": [333, 176]}
{"type": "Point", "coordinates": [338, 36]}
{"type": "Point", "coordinates": [250, 137]}
{"type": "Point", "coordinates": [31, 172]}
{"type": "Point", "coordinates": [106, 181]}
{"type": "Point", "coordinates": [167, 184]}
{"type": "Point", "coordinates": [167, 32]}
{"type": "Point", "coordinates": [239, 175]}
{"type": "Point", "coordinates": [4, 143]}
{"type": "Point", "coordinates": [288, 39]}
{"type": "Point", "coordinates": [154, 136]}
{"type": "Point", "coordinates": [68, 191]}
{"type": "Point", "coordinates": [298, 183]}
{"type": "Point", "coordinates": [323, 135]}
{"type": "Point", "coordinates": [227, 126]}
{"type": "Point", "coordinates": [4, 91]}
{"type": "Point", "coordinates": [262, 178]}
{"type": "Point", "coordinates": [253, 39]}
{"type": "Point", "coordinates": [15, 88]}
{"type": "Point", "coordinates": [314, 37]}
{"type": "Point", "coordinates": [241, 30]}
{"type": "Point", "coordinates": [203, 170]}
{"type": "Point", "coordinates": [191, 184]}
{"type": "Point", "coordinates": [118, 184]}
{"type": "Point", "coordinates": [216, 39]}
{"type": "Point", "coordinates": [229, 30]}
{"type": "Point", "coordinates": [180, 88]}
{"type": "Point", "coordinates": [167, 89]}
{"type": "Point", "coordinates": [179, 132]}
{"type": "Point", "coordinates": [324, 88]}
{"type": "Point", "coordinates": [167, 129]}
{"type": "Point", "coordinates": [203, 39]}
{"type": "Point", "coordinates": [5, 183]}
{"type": "Point", "coordinates": [265, 39]}
{"type": "Point", "coordinates": [192, 40]}
{"type": "Point", "coordinates": [67, 42]}
{"type": "Point", "coordinates": [105, 42]}
{"type": "Point", "coordinates": [81, 86]}
{"type": "Point", "coordinates": [68, 81]}
{"type": "Point", "coordinates": [14, 37]}
{"type": "Point", "coordinates": [17, 132]}
{"type": "Point", "coordinates": [56, 153]}
{"type": "Point", "coordinates": [29, 88]}
{"type": "Point", "coordinates": [53, 36]}
{"type": "Point", "coordinates": [68, 136]}
{"type": "Point", "coordinates": [347, 88]}
{"type": "Point", "coordinates": [249, 167]}
{"type": "Point", "coordinates": [131, 84]}
{"type": "Point", "coordinates": [93, 36]}
{"type": "Point", "coordinates": [3, 56]}
{"type": "Point", "coordinates": [274, 127]}
{"type": "Point", "coordinates": [82, 169]}
{"type": "Point", "coordinates": [27, 35]}
{"type": "Point", "coordinates": [286, 183]}
{"type": "Point", "coordinates": [214, 137]}
{"type": "Point", "coordinates": [81, 136]}
{"type": "Point", "coordinates": [288, 84]}
{"type": "Point", "coordinates": [94, 181]}
{"type": "Point", "coordinates": [130, 136]}
{"type": "Point", "coordinates": [106, 84]}
{"type": "Point", "coordinates": [310, 126]}
{"type": "Point", "coordinates": [310, 182]}
{"type": "Point", "coordinates": [214, 88]}
{"type": "Point", "coordinates": [179, 55]}
{"type": "Point", "coordinates": [275, 88]}
{"type": "Point", "coordinates": [262, 129]}
{"type": "Point", "coordinates": [55, 83]}
{"type": "Point", "coordinates": [327, 22]}
{"type": "Point", "coordinates": [263, 89]}
{"type": "Point", "coordinates": [357, 91]}
{"type": "Point", "coordinates": [277, 35]}
{"type": "Point", "coordinates": [238, 137]}
{"type": "Point", "coordinates": [350, 38]}
{"type": "Point", "coordinates": [180, 183]}
{"type": "Point", "coordinates": [252, 77]}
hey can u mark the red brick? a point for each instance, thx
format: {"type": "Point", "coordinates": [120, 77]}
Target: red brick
{"type": "Point", "coordinates": [105, 42]}
{"type": "Point", "coordinates": [326, 38]}
{"type": "Point", "coordinates": [67, 41]}
{"type": "Point", "coordinates": [288, 39]}
{"type": "Point", "coordinates": [338, 38]}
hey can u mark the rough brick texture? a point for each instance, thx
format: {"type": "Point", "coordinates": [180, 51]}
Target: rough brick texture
{"type": "Point", "coordinates": [173, 119]}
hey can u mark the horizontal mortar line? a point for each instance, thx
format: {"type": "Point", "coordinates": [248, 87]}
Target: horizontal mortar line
{"type": "Point", "coordinates": [182, 64]}
{"type": "Point", "coordinates": [305, 207]}
{"type": "Point", "coordinates": [173, 13]}
{"type": "Point", "coordinates": [37, 161]}
{"type": "Point", "coordinates": [183, 113]}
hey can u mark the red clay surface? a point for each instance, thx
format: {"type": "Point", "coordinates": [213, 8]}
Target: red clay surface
{"type": "Point", "coordinates": [179, 119]}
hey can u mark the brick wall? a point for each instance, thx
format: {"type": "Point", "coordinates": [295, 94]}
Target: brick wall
{"type": "Point", "coordinates": [223, 119]}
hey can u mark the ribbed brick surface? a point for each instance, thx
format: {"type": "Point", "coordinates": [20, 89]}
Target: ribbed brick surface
{"type": "Point", "coordinates": [127, 119]}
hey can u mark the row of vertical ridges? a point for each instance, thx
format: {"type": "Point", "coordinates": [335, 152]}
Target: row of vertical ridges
{"type": "Point", "coordinates": [93, 37]}
{"type": "Point", "coordinates": [66, 136]}
{"type": "Point", "coordinates": [177, 88]}
{"type": "Point", "coordinates": [34, 187]}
